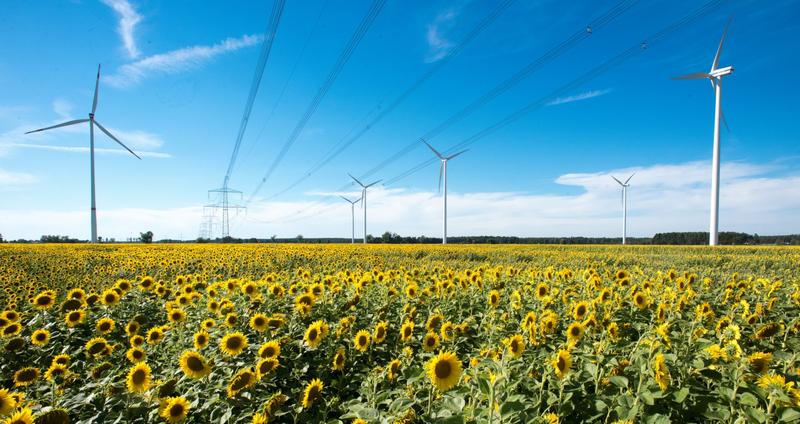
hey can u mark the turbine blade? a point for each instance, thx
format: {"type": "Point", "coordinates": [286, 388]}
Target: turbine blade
{"type": "Point", "coordinates": [96, 86]}
{"type": "Point", "coordinates": [346, 199]}
{"type": "Point", "coordinates": [115, 138]}
{"type": "Point", "coordinates": [695, 75]}
{"type": "Point", "coordinates": [629, 178]}
{"type": "Point", "coordinates": [452, 156]}
{"type": "Point", "coordinates": [63, 124]}
{"type": "Point", "coordinates": [363, 192]}
{"type": "Point", "coordinates": [615, 179]}
{"type": "Point", "coordinates": [622, 197]}
{"type": "Point", "coordinates": [724, 121]}
{"type": "Point", "coordinates": [719, 49]}
{"type": "Point", "coordinates": [439, 155]}
{"type": "Point", "coordinates": [372, 184]}
{"type": "Point", "coordinates": [441, 169]}
{"type": "Point", "coordinates": [355, 179]}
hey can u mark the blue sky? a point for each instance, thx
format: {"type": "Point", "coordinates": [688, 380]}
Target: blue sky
{"type": "Point", "coordinates": [176, 76]}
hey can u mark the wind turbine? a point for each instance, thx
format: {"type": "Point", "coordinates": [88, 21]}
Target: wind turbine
{"type": "Point", "coordinates": [443, 177]}
{"type": "Point", "coordinates": [92, 122]}
{"type": "Point", "coordinates": [352, 217]}
{"type": "Point", "coordinates": [625, 186]}
{"type": "Point", "coordinates": [715, 76]}
{"type": "Point", "coordinates": [364, 201]}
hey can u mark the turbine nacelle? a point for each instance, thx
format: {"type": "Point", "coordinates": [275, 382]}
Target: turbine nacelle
{"type": "Point", "coordinates": [721, 72]}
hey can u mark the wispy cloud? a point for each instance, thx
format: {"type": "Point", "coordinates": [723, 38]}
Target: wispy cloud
{"type": "Point", "coordinates": [62, 108]}
{"type": "Point", "coordinates": [13, 180]}
{"type": "Point", "coordinates": [82, 149]}
{"type": "Point", "coordinates": [128, 19]}
{"type": "Point", "coordinates": [438, 45]}
{"type": "Point", "coordinates": [578, 97]}
{"type": "Point", "coordinates": [177, 61]}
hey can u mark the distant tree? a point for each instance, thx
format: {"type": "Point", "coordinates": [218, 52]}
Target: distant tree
{"type": "Point", "coordinates": [1, 238]}
{"type": "Point", "coordinates": [273, 237]}
{"type": "Point", "coordinates": [146, 237]}
{"type": "Point", "coordinates": [299, 238]}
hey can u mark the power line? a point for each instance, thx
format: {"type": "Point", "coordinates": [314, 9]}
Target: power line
{"type": "Point", "coordinates": [454, 51]}
{"type": "Point", "coordinates": [356, 38]}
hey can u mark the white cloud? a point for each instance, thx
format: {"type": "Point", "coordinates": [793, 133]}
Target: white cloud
{"type": "Point", "coordinates": [13, 180]}
{"type": "Point", "coordinates": [177, 61]}
{"type": "Point", "coordinates": [661, 198]}
{"type": "Point", "coordinates": [82, 149]}
{"type": "Point", "coordinates": [438, 44]}
{"type": "Point", "coordinates": [579, 97]}
{"type": "Point", "coordinates": [62, 108]}
{"type": "Point", "coordinates": [128, 19]}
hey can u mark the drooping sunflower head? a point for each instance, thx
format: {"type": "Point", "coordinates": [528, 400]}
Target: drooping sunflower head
{"type": "Point", "coordinates": [233, 344]}
{"type": "Point", "coordinates": [194, 365]}
{"type": "Point", "coordinates": [380, 331]}
{"type": "Point", "coordinates": [444, 370]}
{"type": "Point", "coordinates": [312, 392]}
{"type": "Point", "coordinates": [242, 380]}
{"type": "Point", "coordinates": [562, 363]}
{"type": "Point", "coordinates": [661, 372]}
{"type": "Point", "coordinates": [760, 361]}
{"type": "Point", "coordinates": [266, 366]}
{"type": "Point", "coordinates": [338, 360]}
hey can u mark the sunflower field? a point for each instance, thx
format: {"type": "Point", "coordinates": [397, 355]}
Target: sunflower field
{"type": "Point", "coordinates": [398, 334]}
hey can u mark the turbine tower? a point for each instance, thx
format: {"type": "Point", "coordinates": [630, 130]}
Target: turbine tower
{"type": "Point", "coordinates": [715, 76]}
{"type": "Point", "coordinates": [364, 201]}
{"type": "Point", "coordinates": [352, 218]}
{"type": "Point", "coordinates": [443, 177]}
{"type": "Point", "coordinates": [92, 122]}
{"type": "Point", "coordinates": [625, 186]}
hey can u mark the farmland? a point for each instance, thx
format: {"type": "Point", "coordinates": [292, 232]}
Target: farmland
{"type": "Point", "coordinates": [339, 333]}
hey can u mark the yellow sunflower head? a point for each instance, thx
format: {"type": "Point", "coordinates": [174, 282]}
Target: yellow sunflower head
{"type": "Point", "coordinates": [175, 409]}
{"type": "Point", "coordinates": [194, 365]}
{"type": "Point", "coordinates": [362, 340]}
{"type": "Point", "coordinates": [444, 370]}
{"type": "Point", "coordinates": [139, 378]}
{"type": "Point", "coordinates": [562, 363]}
{"type": "Point", "coordinates": [233, 344]}
{"type": "Point", "coordinates": [270, 349]}
{"type": "Point", "coordinates": [312, 392]}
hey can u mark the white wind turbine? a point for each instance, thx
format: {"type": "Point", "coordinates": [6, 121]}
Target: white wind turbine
{"type": "Point", "coordinates": [715, 76]}
{"type": "Point", "coordinates": [352, 217]}
{"type": "Point", "coordinates": [625, 186]}
{"type": "Point", "coordinates": [364, 201]}
{"type": "Point", "coordinates": [443, 177]}
{"type": "Point", "coordinates": [92, 122]}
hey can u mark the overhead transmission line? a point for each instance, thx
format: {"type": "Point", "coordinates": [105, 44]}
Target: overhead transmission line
{"type": "Point", "coordinates": [344, 56]}
{"type": "Point", "coordinates": [582, 79]}
{"type": "Point", "coordinates": [452, 52]}
{"type": "Point", "coordinates": [533, 66]}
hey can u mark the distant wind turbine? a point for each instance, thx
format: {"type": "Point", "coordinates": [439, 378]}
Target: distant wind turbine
{"type": "Point", "coordinates": [352, 217]}
{"type": "Point", "coordinates": [625, 186]}
{"type": "Point", "coordinates": [364, 201]}
{"type": "Point", "coordinates": [443, 177]}
{"type": "Point", "coordinates": [715, 76]}
{"type": "Point", "coordinates": [92, 122]}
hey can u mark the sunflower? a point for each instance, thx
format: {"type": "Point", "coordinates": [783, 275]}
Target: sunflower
{"type": "Point", "coordinates": [175, 409]}
{"type": "Point", "coordinates": [515, 345]}
{"type": "Point", "coordinates": [135, 354]}
{"type": "Point", "coordinates": [270, 349]}
{"type": "Point", "coordinates": [55, 370]}
{"type": "Point", "coordinates": [139, 378]}
{"type": "Point", "coordinates": [155, 335]}
{"type": "Point", "coordinates": [613, 331]}
{"type": "Point", "coordinates": [562, 363]}
{"type": "Point", "coordinates": [233, 344]}
{"type": "Point", "coordinates": [132, 328]}
{"type": "Point", "coordinates": [448, 331]}
{"type": "Point", "coordinates": [44, 300]}
{"type": "Point", "coordinates": [640, 300]}
{"type": "Point", "coordinates": [444, 370]}
{"type": "Point", "coordinates": [96, 346]}
{"type": "Point", "coordinates": [580, 310]}
{"type": "Point", "coordinates": [12, 329]}
{"type": "Point", "coordinates": [243, 380]}
{"type": "Point", "coordinates": [175, 315]}
{"type": "Point", "coordinates": [74, 318]}
{"type": "Point", "coordinates": [574, 332]}
{"type": "Point", "coordinates": [62, 359]}
{"type": "Point", "coordinates": [434, 321]}
{"type": "Point", "coordinates": [768, 330]}
{"type": "Point", "coordinates": [380, 332]}
{"type": "Point", "coordinates": [661, 372]}
{"type": "Point", "coordinates": [430, 342]}
{"type": "Point", "coordinates": [231, 319]}
{"type": "Point", "coordinates": [407, 331]}
{"type": "Point", "coordinates": [259, 418]}
{"type": "Point", "coordinates": [201, 339]}
{"type": "Point", "coordinates": [393, 369]}
{"type": "Point", "coordinates": [194, 365]}
{"type": "Point", "coordinates": [493, 299]}
{"type": "Point", "coordinates": [266, 366]}
{"type": "Point", "coordinates": [137, 341]}
{"type": "Point", "coordinates": [361, 341]}
{"type": "Point", "coordinates": [542, 290]}
{"type": "Point", "coordinates": [110, 297]}
{"type": "Point", "coordinates": [530, 319]}
{"type": "Point", "coordinates": [760, 361]}
{"type": "Point", "coordinates": [7, 402]}
{"type": "Point", "coordinates": [259, 322]}
{"type": "Point", "coordinates": [105, 325]}
{"type": "Point", "coordinates": [40, 337]}
{"type": "Point", "coordinates": [21, 416]}
{"type": "Point", "coordinates": [312, 392]}
{"type": "Point", "coordinates": [314, 334]}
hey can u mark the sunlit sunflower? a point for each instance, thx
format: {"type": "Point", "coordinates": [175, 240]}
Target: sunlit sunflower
{"type": "Point", "coordinates": [640, 300]}
{"type": "Point", "coordinates": [243, 380]}
{"type": "Point", "coordinates": [44, 300]}
{"type": "Point", "coordinates": [448, 331]}
{"type": "Point", "coordinates": [362, 340]}
{"type": "Point", "coordinates": [201, 339]}
{"type": "Point", "coordinates": [580, 310]}
{"type": "Point", "coordinates": [155, 335]}
{"type": "Point", "coordinates": [760, 361]}
{"type": "Point", "coordinates": [105, 325]}
{"type": "Point", "coordinates": [515, 345]}
{"type": "Point", "coordinates": [132, 328]}
{"type": "Point", "coordinates": [312, 392]}
{"type": "Point", "coordinates": [574, 332]}
{"type": "Point", "coordinates": [110, 297]}
{"type": "Point", "coordinates": [562, 363]}
{"type": "Point", "coordinates": [338, 360]}
{"type": "Point", "coordinates": [135, 354]}
{"type": "Point", "coordinates": [25, 376]}
{"type": "Point", "coordinates": [7, 402]}
{"type": "Point", "coordinates": [407, 331]}
{"type": "Point", "coordinates": [661, 372]}
{"type": "Point", "coordinates": [194, 365]}
{"type": "Point", "coordinates": [73, 318]}
{"type": "Point", "coordinates": [270, 349]}
{"type": "Point", "coordinates": [542, 290]}
{"type": "Point", "coordinates": [137, 340]}
{"type": "Point", "coordinates": [444, 370]}
{"type": "Point", "coordinates": [55, 371]}
{"type": "Point", "coordinates": [266, 366]}
{"type": "Point", "coordinates": [40, 337]}
{"type": "Point", "coordinates": [259, 322]}
{"type": "Point", "coordinates": [613, 331]}
{"type": "Point", "coordinates": [12, 329]}
{"type": "Point", "coordinates": [21, 416]}
{"type": "Point", "coordinates": [175, 409]}
{"type": "Point", "coordinates": [493, 299]}
{"type": "Point", "coordinates": [139, 378]}
{"type": "Point", "coordinates": [430, 342]}
{"type": "Point", "coordinates": [62, 359]}
{"type": "Point", "coordinates": [176, 315]}
{"type": "Point", "coordinates": [393, 369]}
{"type": "Point", "coordinates": [313, 335]}
{"type": "Point", "coordinates": [380, 332]}
{"type": "Point", "coordinates": [233, 344]}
